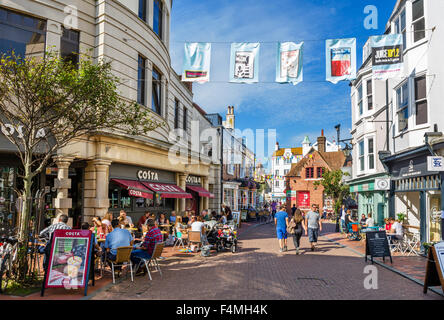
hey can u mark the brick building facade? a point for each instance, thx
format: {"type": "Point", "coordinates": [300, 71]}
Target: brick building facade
{"type": "Point", "coordinates": [300, 188]}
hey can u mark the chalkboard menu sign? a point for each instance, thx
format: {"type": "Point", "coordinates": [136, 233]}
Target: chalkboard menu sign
{"type": "Point", "coordinates": [435, 267]}
{"type": "Point", "coordinates": [376, 245]}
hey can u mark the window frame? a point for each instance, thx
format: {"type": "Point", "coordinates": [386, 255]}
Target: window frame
{"type": "Point", "coordinates": [420, 100]}
{"type": "Point", "coordinates": [416, 21]}
{"type": "Point", "coordinates": [402, 105]}
{"type": "Point", "coordinates": [320, 172]}
{"type": "Point", "coordinates": [141, 80]}
{"type": "Point", "coordinates": [309, 173]}
{"type": "Point", "coordinates": [369, 96]}
{"type": "Point", "coordinates": [144, 13]}
{"type": "Point", "coordinates": [156, 85]}
{"type": "Point", "coordinates": [176, 113]}
{"type": "Point", "coordinates": [158, 9]}
{"type": "Point", "coordinates": [361, 155]}
{"type": "Point", "coordinates": [185, 119]}
{"type": "Point", "coordinates": [402, 17]}
{"type": "Point", "coordinates": [370, 154]}
{"type": "Point", "coordinates": [360, 100]}
{"type": "Point", "coordinates": [68, 40]}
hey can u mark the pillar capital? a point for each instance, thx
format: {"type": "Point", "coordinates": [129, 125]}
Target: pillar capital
{"type": "Point", "coordinates": [63, 161]}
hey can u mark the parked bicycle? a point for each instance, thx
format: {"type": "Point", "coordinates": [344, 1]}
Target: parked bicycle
{"type": "Point", "coordinates": [8, 256]}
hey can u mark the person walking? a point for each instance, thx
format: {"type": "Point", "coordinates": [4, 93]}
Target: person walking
{"type": "Point", "coordinates": [293, 209]}
{"type": "Point", "coordinates": [342, 221]}
{"type": "Point", "coordinates": [313, 226]}
{"type": "Point", "coordinates": [296, 227]}
{"type": "Point", "coordinates": [281, 222]}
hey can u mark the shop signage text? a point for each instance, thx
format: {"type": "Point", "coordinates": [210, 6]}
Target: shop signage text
{"type": "Point", "coordinates": [435, 163]}
{"type": "Point", "coordinates": [163, 187]}
{"type": "Point", "coordinates": [8, 130]}
{"type": "Point", "coordinates": [135, 193]}
{"type": "Point", "coordinates": [193, 180]}
{"type": "Point", "coordinates": [147, 175]}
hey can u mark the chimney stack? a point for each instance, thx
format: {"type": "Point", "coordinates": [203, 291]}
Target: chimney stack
{"type": "Point", "coordinates": [322, 141]}
{"type": "Point", "coordinates": [230, 122]}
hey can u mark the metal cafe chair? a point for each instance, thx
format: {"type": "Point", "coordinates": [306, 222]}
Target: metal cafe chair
{"type": "Point", "coordinates": [157, 253]}
{"type": "Point", "coordinates": [123, 258]}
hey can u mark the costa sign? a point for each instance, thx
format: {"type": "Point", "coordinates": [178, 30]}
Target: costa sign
{"type": "Point", "coordinates": [135, 193]}
{"type": "Point", "coordinates": [147, 175]}
{"type": "Point", "coordinates": [163, 187]}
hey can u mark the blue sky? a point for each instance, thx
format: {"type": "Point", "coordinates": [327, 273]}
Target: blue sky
{"type": "Point", "coordinates": [294, 111]}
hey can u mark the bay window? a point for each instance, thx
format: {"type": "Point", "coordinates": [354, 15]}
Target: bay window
{"type": "Point", "coordinates": [371, 154]}
{"type": "Point", "coordinates": [369, 95]}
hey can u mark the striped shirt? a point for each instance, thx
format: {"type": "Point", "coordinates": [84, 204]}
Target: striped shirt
{"type": "Point", "coordinates": [151, 238]}
{"type": "Point", "coordinates": [46, 233]}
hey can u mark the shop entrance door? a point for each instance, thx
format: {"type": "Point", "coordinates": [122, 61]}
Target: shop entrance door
{"type": "Point", "coordinates": [193, 203]}
{"type": "Point", "coordinates": [76, 194]}
{"type": "Point", "coordinates": [435, 218]}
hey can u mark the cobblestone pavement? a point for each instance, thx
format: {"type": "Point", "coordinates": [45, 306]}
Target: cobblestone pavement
{"type": "Point", "coordinates": [259, 271]}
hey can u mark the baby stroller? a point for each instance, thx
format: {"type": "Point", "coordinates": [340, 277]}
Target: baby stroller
{"type": "Point", "coordinates": [226, 239]}
{"type": "Point", "coordinates": [353, 232]}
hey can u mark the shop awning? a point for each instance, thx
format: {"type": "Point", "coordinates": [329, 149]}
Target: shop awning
{"type": "Point", "coordinates": [167, 190]}
{"type": "Point", "coordinates": [135, 188]}
{"type": "Point", "coordinates": [201, 191]}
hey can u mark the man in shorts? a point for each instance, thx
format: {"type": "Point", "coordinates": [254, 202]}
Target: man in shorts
{"type": "Point", "coordinates": [281, 222]}
{"type": "Point", "coordinates": [313, 225]}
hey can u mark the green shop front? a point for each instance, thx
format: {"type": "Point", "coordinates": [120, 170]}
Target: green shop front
{"type": "Point", "coordinates": [372, 196]}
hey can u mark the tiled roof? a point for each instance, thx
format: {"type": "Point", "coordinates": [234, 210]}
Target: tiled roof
{"type": "Point", "coordinates": [280, 152]}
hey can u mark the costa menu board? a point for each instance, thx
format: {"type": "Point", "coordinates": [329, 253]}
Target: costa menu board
{"type": "Point", "coordinates": [69, 259]}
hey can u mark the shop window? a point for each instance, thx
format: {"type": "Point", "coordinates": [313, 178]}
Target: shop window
{"type": "Point", "coordinates": [418, 21]}
{"type": "Point", "coordinates": [421, 100]}
{"type": "Point", "coordinates": [24, 34]}
{"type": "Point", "coordinates": [125, 199]}
{"type": "Point", "coordinates": [402, 98]}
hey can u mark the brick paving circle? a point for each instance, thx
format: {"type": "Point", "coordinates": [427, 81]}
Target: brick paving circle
{"type": "Point", "coordinates": [259, 271]}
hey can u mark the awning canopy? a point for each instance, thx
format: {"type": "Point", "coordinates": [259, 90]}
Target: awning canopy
{"type": "Point", "coordinates": [201, 191]}
{"type": "Point", "coordinates": [135, 188]}
{"type": "Point", "coordinates": [167, 190]}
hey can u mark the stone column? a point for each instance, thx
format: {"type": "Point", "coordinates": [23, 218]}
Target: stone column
{"type": "Point", "coordinates": [62, 203]}
{"type": "Point", "coordinates": [102, 184]}
{"type": "Point", "coordinates": [96, 201]}
{"type": "Point", "coordinates": [183, 185]}
{"type": "Point", "coordinates": [206, 200]}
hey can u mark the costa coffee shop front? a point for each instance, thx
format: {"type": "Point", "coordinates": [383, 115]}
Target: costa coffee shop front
{"type": "Point", "coordinates": [138, 189]}
{"type": "Point", "coordinates": [200, 195]}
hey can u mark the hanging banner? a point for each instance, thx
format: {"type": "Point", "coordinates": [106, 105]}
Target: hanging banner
{"type": "Point", "coordinates": [244, 62]}
{"type": "Point", "coordinates": [289, 63]}
{"type": "Point", "coordinates": [340, 59]}
{"type": "Point", "coordinates": [387, 56]}
{"type": "Point", "coordinates": [196, 62]}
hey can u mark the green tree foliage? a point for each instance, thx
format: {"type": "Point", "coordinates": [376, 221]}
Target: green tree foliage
{"type": "Point", "coordinates": [49, 103]}
{"type": "Point", "coordinates": [334, 187]}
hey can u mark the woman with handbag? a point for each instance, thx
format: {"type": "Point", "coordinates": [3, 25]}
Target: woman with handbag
{"type": "Point", "coordinates": [295, 227]}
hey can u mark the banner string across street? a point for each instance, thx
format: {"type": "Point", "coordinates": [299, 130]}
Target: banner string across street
{"type": "Point", "coordinates": [341, 57]}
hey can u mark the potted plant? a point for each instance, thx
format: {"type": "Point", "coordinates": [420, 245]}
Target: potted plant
{"type": "Point", "coordinates": [426, 246]}
{"type": "Point", "coordinates": [401, 217]}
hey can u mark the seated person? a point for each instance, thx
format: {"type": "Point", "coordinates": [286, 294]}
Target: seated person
{"type": "Point", "coordinates": [97, 248]}
{"type": "Point", "coordinates": [363, 219]}
{"type": "Point", "coordinates": [396, 231]}
{"type": "Point", "coordinates": [370, 222]}
{"type": "Point", "coordinates": [145, 250]}
{"type": "Point", "coordinates": [117, 238]}
{"type": "Point", "coordinates": [388, 225]}
{"type": "Point", "coordinates": [223, 219]}
{"type": "Point", "coordinates": [143, 219]}
{"type": "Point", "coordinates": [179, 227]}
{"type": "Point", "coordinates": [173, 217]}
{"type": "Point", "coordinates": [198, 225]}
{"type": "Point", "coordinates": [186, 217]}
{"type": "Point", "coordinates": [162, 219]}
{"type": "Point", "coordinates": [126, 218]}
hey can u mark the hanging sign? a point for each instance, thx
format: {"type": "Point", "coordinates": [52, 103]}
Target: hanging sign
{"type": "Point", "coordinates": [340, 59]}
{"type": "Point", "coordinates": [387, 56]}
{"type": "Point", "coordinates": [196, 62]}
{"type": "Point", "coordinates": [435, 163]}
{"type": "Point", "coordinates": [303, 199]}
{"type": "Point", "coordinates": [244, 62]}
{"type": "Point", "coordinates": [289, 63]}
{"type": "Point", "coordinates": [69, 260]}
